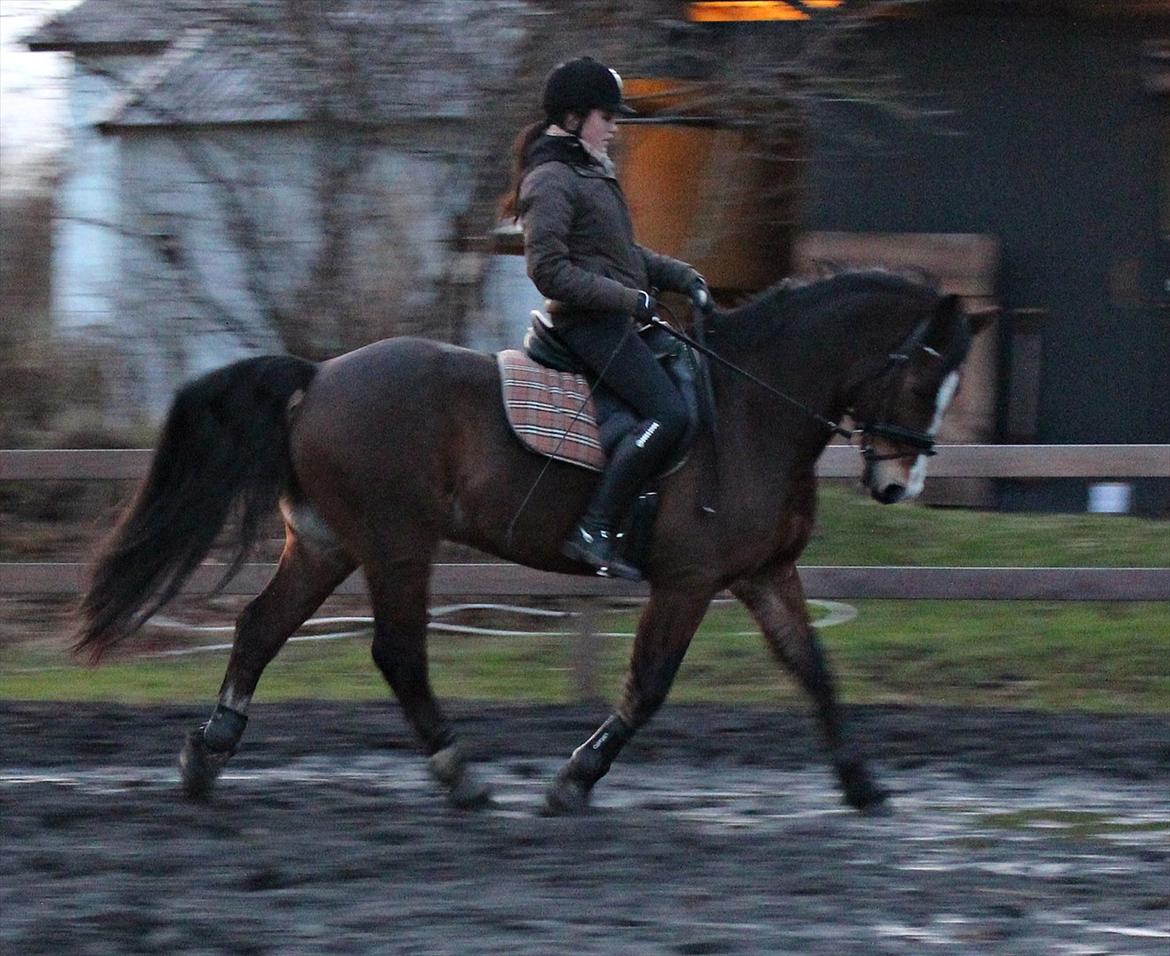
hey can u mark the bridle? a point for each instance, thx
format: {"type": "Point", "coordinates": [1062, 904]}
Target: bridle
{"type": "Point", "coordinates": [920, 443]}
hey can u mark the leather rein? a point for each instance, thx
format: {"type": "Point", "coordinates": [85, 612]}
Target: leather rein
{"type": "Point", "coordinates": [922, 443]}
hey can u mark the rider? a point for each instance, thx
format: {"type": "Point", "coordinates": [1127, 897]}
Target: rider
{"type": "Point", "coordinates": [581, 254]}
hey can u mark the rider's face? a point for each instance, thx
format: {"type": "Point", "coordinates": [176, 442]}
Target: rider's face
{"type": "Point", "coordinates": [598, 130]}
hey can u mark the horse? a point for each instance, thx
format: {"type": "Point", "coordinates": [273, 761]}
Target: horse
{"type": "Point", "coordinates": [377, 456]}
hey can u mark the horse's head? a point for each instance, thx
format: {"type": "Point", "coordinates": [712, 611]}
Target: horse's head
{"type": "Point", "coordinates": [900, 408]}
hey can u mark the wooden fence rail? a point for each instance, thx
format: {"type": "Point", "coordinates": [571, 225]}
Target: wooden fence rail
{"type": "Point", "coordinates": [494, 579]}
{"type": "Point", "coordinates": [838, 461]}
{"type": "Point", "coordinates": [820, 581]}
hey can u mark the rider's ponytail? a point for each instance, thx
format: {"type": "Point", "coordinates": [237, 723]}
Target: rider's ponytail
{"type": "Point", "coordinates": [510, 201]}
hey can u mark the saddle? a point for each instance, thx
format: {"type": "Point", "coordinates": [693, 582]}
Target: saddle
{"type": "Point", "coordinates": [555, 411]}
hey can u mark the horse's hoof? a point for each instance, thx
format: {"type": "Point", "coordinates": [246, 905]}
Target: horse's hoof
{"type": "Point", "coordinates": [470, 793]}
{"type": "Point", "coordinates": [566, 797]}
{"type": "Point", "coordinates": [880, 808]}
{"type": "Point", "coordinates": [199, 767]}
{"type": "Point", "coordinates": [465, 789]}
{"type": "Point", "coordinates": [867, 797]}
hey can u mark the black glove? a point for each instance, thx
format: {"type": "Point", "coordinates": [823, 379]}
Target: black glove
{"type": "Point", "coordinates": [699, 294]}
{"type": "Point", "coordinates": [647, 307]}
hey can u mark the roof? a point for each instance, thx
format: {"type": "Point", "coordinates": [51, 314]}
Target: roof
{"type": "Point", "coordinates": [121, 25]}
{"type": "Point", "coordinates": [359, 61]}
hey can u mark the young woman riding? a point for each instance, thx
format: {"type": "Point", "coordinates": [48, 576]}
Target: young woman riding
{"type": "Point", "coordinates": [600, 284]}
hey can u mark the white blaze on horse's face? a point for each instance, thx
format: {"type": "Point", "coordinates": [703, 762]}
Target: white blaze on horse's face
{"type": "Point", "coordinates": [942, 401]}
{"type": "Point", "coordinates": [903, 478]}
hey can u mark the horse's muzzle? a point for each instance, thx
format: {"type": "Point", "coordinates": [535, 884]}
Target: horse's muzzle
{"type": "Point", "coordinates": [889, 494]}
{"type": "Point", "coordinates": [886, 480]}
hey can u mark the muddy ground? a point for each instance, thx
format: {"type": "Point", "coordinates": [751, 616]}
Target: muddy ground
{"type": "Point", "coordinates": [718, 832]}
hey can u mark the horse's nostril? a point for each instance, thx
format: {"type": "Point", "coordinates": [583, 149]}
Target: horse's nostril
{"type": "Point", "coordinates": [890, 494]}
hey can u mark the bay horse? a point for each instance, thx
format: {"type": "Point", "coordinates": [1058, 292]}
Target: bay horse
{"type": "Point", "coordinates": [378, 455]}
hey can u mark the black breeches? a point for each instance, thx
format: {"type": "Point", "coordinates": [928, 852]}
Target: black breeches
{"type": "Point", "coordinates": [616, 354]}
{"type": "Point", "coordinates": [612, 349]}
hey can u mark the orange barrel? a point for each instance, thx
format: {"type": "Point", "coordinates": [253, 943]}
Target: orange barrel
{"type": "Point", "coordinates": [706, 191]}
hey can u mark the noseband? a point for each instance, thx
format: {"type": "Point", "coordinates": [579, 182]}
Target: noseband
{"type": "Point", "coordinates": [920, 442]}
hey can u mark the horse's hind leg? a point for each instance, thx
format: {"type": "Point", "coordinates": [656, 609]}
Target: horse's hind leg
{"type": "Point", "coordinates": [776, 600]}
{"type": "Point", "coordinates": [304, 578]}
{"type": "Point", "coordinates": [399, 594]}
{"type": "Point", "coordinates": [664, 634]}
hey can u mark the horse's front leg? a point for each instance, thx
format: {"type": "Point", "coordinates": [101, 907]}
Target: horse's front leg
{"type": "Point", "coordinates": [776, 600]}
{"type": "Point", "coordinates": [664, 633]}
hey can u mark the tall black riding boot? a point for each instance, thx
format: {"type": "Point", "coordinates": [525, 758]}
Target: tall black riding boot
{"type": "Point", "coordinates": [594, 542]}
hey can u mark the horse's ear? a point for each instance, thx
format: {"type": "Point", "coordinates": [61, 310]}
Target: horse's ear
{"type": "Point", "coordinates": [947, 314]}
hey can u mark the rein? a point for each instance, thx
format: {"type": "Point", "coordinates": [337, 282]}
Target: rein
{"type": "Point", "coordinates": [922, 442]}
{"type": "Point", "coordinates": [833, 426]}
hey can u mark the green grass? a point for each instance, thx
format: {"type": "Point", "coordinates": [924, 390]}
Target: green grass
{"type": "Point", "coordinates": [1097, 657]}
{"type": "Point", "coordinates": [1072, 824]}
{"type": "Point", "coordinates": [1084, 657]}
{"type": "Point", "coordinates": [852, 529]}
{"type": "Point", "coordinates": [1080, 656]}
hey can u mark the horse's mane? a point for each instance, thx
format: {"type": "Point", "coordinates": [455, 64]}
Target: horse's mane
{"type": "Point", "coordinates": [797, 297]}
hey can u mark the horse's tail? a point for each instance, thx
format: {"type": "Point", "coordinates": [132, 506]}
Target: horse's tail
{"type": "Point", "coordinates": [224, 447]}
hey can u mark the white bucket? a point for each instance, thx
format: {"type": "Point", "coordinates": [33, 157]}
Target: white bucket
{"type": "Point", "coordinates": [1110, 497]}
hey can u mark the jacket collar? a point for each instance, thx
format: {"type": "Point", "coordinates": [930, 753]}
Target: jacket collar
{"type": "Point", "coordinates": [562, 147]}
{"type": "Point", "coordinates": [600, 158]}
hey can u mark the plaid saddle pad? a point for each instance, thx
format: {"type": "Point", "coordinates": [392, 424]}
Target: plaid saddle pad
{"type": "Point", "coordinates": [551, 412]}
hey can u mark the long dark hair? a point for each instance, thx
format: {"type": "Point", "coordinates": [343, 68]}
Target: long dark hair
{"type": "Point", "coordinates": [510, 201]}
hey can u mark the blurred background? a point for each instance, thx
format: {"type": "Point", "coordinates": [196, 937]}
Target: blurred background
{"type": "Point", "coordinates": [185, 183]}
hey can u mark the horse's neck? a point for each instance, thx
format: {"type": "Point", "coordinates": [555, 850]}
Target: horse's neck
{"type": "Point", "coordinates": [811, 363]}
{"type": "Point", "coordinates": [817, 360]}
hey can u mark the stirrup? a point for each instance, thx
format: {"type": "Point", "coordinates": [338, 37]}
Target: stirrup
{"type": "Point", "coordinates": [595, 549]}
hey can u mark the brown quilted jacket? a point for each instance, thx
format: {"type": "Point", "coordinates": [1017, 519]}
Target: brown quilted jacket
{"type": "Point", "coordinates": [579, 238]}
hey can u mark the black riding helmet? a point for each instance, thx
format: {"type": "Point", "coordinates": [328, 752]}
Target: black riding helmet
{"type": "Point", "coordinates": [580, 85]}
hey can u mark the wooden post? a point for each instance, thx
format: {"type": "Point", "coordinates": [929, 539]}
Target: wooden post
{"type": "Point", "coordinates": [584, 652]}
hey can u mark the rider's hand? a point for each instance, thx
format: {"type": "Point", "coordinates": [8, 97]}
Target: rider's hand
{"type": "Point", "coordinates": [647, 307]}
{"type": "Point", "coordinates": [699, 294]}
